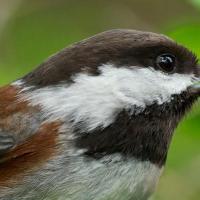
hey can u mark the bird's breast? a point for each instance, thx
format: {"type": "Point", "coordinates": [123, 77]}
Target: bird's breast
{"type": "Point", "coordinates": [111, 177]}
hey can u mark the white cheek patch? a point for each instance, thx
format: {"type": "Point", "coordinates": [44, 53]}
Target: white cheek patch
{"type": "Point", "coordinates": [96, 100]}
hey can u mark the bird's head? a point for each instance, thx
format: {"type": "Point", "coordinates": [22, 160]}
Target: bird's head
{"type": "Point", "coordinates": [121, 90]}
{"type": "Point", "coordinates": [96, 117]}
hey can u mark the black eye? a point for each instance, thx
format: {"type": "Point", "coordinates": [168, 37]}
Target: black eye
{"type": "Point", "coordinates": [166, 62]}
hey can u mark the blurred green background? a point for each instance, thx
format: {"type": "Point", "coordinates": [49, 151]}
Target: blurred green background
{"type": "Point", "coordinates": [32, 30]}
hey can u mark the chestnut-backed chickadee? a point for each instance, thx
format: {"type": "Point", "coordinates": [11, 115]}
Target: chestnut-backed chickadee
{"type": "Point", "coordinates": [94, 121]}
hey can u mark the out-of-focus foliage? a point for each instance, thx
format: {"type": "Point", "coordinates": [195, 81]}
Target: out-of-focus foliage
{"type": "Point", "coordinates": [32, 30]}
{"type": "Point", "coordinates": [196, 3]}
{"type": "Point", "coordinates": [189, 35]}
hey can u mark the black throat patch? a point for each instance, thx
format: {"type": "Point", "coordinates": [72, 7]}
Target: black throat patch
{"type": "Point", "coordinates": [145, 136]}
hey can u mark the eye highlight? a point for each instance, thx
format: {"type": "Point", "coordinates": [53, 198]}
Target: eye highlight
{"type": "Point", "coordinates": [166, 62]}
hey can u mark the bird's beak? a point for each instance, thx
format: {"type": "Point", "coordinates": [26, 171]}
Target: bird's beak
{"type": "Point", "coordinates": [195, 88]}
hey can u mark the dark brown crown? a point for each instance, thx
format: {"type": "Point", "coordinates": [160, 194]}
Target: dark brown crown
{"type": "Point", "coordinates": [120, 47]}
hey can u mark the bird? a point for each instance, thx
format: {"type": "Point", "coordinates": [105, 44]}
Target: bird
{"type": "Point", "coordinates": [95, 120]}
